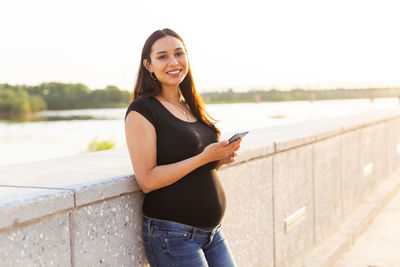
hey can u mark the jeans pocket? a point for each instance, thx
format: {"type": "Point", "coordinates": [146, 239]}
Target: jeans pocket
{"type": "Point", "coordinates": [176, 235]}
{"type": "Point", "coordinates": [179, 243]}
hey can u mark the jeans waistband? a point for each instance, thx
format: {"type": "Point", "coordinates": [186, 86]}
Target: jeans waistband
{"type": "Point", "coordinates": [185, 227]}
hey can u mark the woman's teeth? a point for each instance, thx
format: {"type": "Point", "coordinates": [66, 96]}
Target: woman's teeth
{"type": "Point", "coordinates": [174, 72]}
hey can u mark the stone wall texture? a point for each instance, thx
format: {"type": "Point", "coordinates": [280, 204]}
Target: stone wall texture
{"type": "Point", "coordinates": [289, 190]}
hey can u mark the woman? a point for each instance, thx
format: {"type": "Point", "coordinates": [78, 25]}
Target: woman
{"type": "Point", "coordinates": [175, 152]}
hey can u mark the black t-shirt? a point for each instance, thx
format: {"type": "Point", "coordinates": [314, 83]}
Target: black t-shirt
{"type": "Point", "coordinates": [197, 199]}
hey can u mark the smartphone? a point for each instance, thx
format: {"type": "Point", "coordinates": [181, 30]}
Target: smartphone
{"type": "Point", "coordinates": [236, 136]}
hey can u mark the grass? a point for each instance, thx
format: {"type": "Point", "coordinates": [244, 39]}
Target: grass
{"type": "Point", "coordinates": [98, 145]}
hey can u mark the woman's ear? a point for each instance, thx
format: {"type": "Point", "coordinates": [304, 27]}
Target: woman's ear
{"type": "Point", "coordinates": [147, 64]}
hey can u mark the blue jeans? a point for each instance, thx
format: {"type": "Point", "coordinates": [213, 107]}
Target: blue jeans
{"type": "Point", "coordinates": [169, 243]}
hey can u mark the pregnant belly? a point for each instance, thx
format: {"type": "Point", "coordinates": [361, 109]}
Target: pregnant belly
{"type": "Point", "coordinates": [194, 200]}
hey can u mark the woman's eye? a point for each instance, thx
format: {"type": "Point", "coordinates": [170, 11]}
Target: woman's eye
{"type": "Point", "coordinates": [162, 57]}
{"type": "Point", "coordinates": [179, 53]}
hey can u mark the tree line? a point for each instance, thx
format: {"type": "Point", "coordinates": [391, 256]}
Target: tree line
{"type": "Point", "coordinates": [17, 99]}
{"type": "Point", "coordinates": [230, 96]}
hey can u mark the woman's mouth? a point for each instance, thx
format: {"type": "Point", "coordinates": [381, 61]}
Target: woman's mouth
{"type": "Point", "coordinates": [174, 72]}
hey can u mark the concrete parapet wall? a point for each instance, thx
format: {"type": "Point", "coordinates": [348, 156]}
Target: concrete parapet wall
{"type": "Point", "coordinates": [291, 188]}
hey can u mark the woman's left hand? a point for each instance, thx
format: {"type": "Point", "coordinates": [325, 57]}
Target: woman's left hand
{"type": "Point", "coordinates": [229, 159]}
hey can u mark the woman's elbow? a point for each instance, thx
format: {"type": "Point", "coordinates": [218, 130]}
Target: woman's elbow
{"type": "Point", "coordinates": [145, 189]}
{"type": "Point", "coordinates": [144, 186]}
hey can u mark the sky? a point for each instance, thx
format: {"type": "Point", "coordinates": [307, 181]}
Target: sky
{"type": "Point", "coordinates": [285, 44]}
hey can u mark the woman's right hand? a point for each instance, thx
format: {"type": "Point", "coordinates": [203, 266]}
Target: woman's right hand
{"type": "Point", "coordinates": [220, 150]}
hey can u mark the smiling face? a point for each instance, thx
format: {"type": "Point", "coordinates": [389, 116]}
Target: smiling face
{"type": "Point", "coordinates": [169, 61]}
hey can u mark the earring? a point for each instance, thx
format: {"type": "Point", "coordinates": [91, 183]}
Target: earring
{"type": "Point", "coordinates": [153, 76]}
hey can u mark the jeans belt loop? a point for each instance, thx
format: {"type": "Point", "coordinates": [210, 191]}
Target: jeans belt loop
{"type": "Point", "coordinates": [150, 229]}
{"type": "Point", "coordinates": [193, 234]}
{"type": "Point", "coordinates": [216, 228]}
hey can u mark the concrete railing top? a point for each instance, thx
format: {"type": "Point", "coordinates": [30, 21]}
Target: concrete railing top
{"type": "Point", "coordinates": [33, 190]}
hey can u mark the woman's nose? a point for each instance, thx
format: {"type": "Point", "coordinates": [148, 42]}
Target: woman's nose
{"type": "Point", "coordinates": [173, 61]}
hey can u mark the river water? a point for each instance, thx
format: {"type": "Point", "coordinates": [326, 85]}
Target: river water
{"type": "Point", "coordinates": [69, 132]}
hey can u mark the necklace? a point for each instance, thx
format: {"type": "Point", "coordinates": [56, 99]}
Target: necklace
{"type": "Point", "coordinates": [181, 109]}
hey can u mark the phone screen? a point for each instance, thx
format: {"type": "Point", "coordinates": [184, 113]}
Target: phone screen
{"type": "Point", "coordinates": [237, 136]}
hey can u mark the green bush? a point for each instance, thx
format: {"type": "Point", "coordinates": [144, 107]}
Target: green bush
{"type": "Point", "coordinates": [14, 101]}
{"type": "Point", "coordinates": [37, 103]}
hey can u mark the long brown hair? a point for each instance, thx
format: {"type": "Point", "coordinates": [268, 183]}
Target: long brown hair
{"type": "Point", "coordinates": [146, 86]}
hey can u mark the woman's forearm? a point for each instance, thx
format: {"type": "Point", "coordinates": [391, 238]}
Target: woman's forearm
{"type": "Point", "coordinates": [164, 175]}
